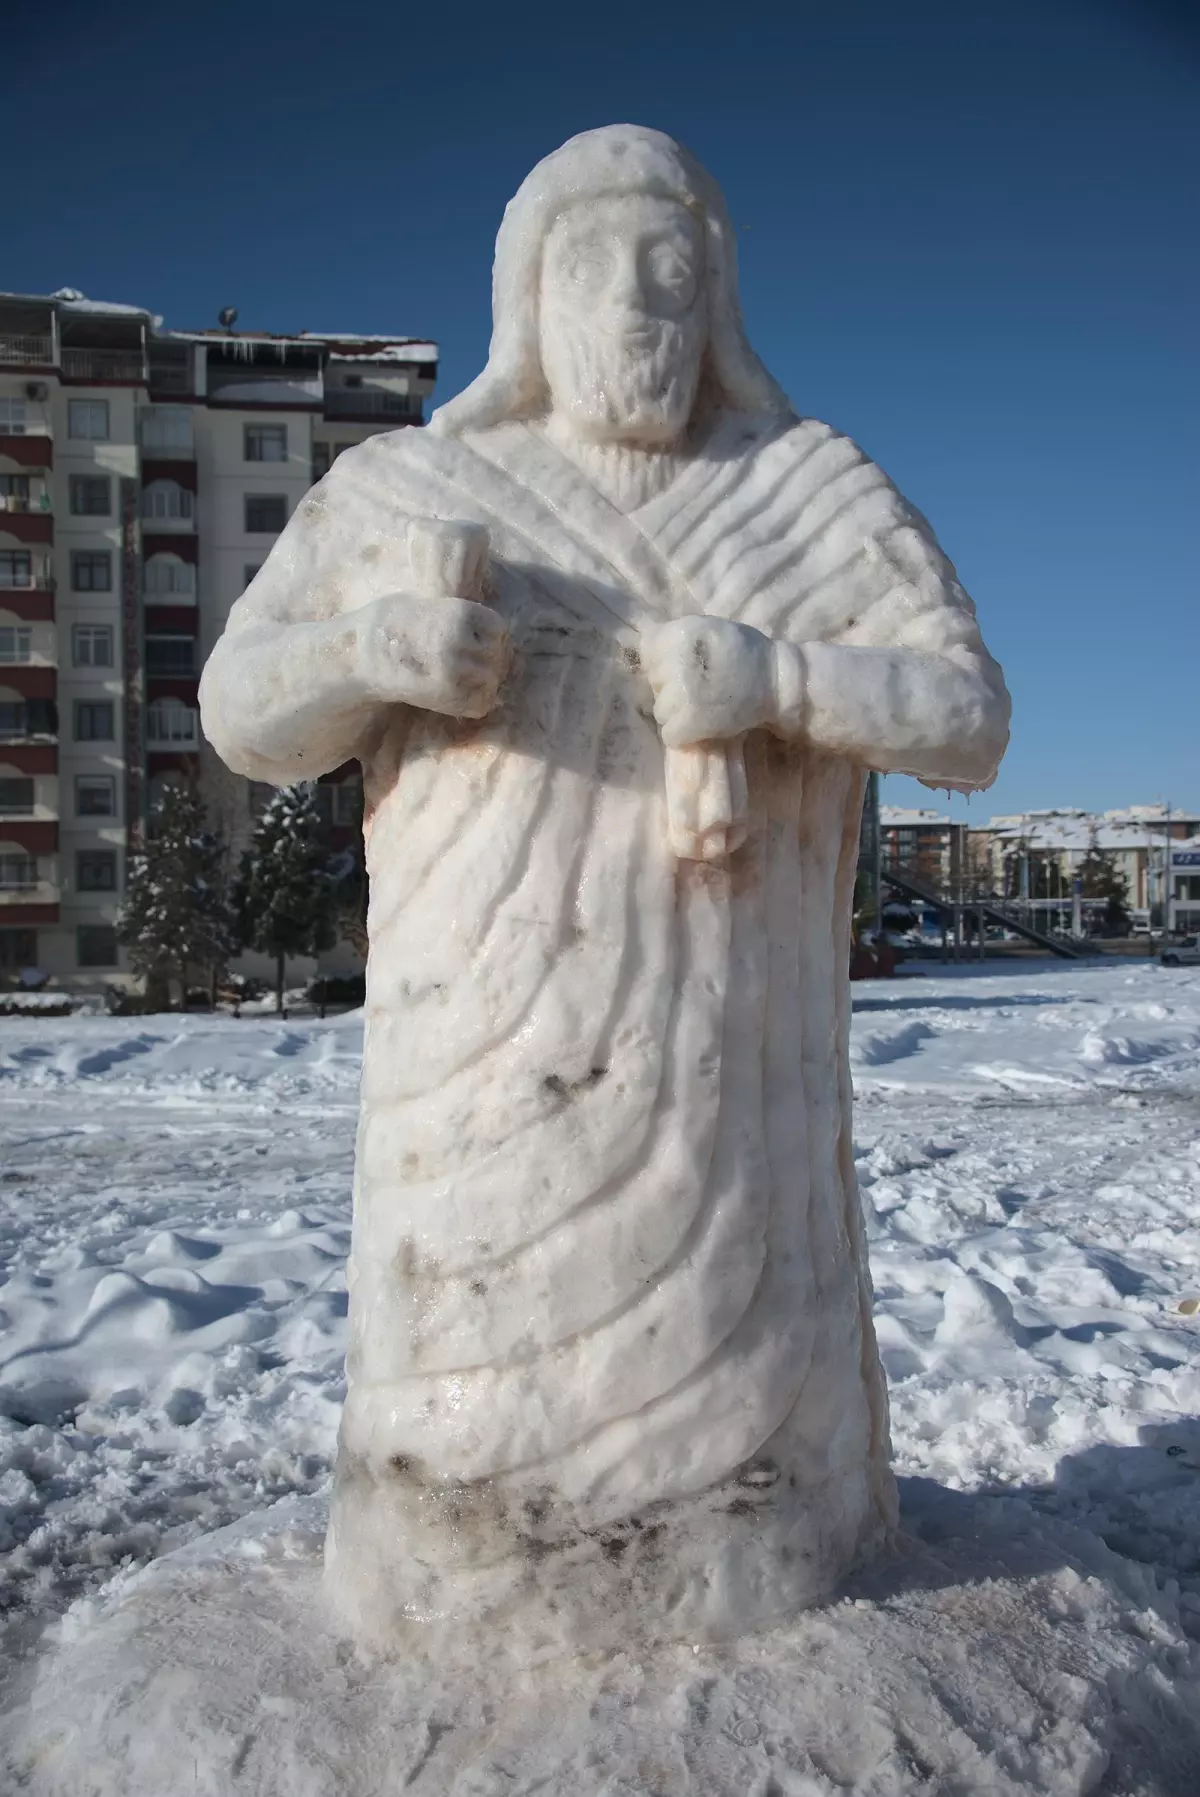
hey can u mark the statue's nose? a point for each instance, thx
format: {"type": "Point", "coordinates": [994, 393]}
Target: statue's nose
{"type": "Point", "coordinates": [626, 292]}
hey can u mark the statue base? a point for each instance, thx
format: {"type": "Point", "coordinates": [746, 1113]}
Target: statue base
{"type": "Point", "coordinates": [994, 1652]}
{"type": "Point", "coordinates": [541, 1577]}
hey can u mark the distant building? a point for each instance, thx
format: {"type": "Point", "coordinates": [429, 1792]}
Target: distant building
{"type": "Point", "coordinates": [144, 475]}
{"type": "Point", "coordinates": [1034, 856]}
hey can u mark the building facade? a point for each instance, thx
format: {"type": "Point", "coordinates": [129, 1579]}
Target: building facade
{"type": "Point", "coordinates": [1034, 858]}
{"type": "Point", "coordinates": [144, 475]}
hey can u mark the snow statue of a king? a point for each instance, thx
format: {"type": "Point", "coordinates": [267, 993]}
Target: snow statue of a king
{"type": "Point", "coordinates": [615, 640]}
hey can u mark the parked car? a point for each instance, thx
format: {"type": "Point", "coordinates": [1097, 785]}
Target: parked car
{"type": "Point", "coordinates": [1184, 953]}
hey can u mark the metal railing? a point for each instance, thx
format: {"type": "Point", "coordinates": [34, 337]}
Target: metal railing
{"type": "Point", "coordinates": [26, 352]}
{"type": "Point", "coordinates": [366, 402]}
{"type": "Point", "coordinates": [102, 365]}
{"type": "Point", "coordinates": [40, 581]}
{"type": "Point", "coordinates": [171, 377]}
{"type": "Point", "coordinates": [25, 502]}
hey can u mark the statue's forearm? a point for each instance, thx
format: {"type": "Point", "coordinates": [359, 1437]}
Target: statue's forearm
{"type": "Point", "coordinates": [286, 702]}
{"type": "Point", "coordinates": [289, 701]}
{"type": "Point", "coordinates": [943, 718]}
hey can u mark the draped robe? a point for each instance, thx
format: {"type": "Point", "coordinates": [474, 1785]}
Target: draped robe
{"type": "Point", "coordinates": [607, 1258]}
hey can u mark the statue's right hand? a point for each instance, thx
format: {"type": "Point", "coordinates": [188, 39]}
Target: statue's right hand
{"type": "Point", "coordinates": [446, 655]}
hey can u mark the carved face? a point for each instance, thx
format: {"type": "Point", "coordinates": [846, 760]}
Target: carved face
{"type": "Point", "coordinates": [623, 318]}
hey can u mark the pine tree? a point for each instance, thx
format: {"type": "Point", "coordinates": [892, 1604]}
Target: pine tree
{"type": "Point", "coordinates": [176, 915]}
{"type": "Point", "coordinates": [285, 896]}
{"type": "Point", "coordinates": [1100, 878]}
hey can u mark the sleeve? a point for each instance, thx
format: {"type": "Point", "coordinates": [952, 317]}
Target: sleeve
{"type": "Point", "coordinates": [905, 685]}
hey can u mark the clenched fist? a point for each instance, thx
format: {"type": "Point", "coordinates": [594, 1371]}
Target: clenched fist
{"type": "Point", "coordinates": [446, 655]}
{"type": "Point", "coordinates": [712, 679]}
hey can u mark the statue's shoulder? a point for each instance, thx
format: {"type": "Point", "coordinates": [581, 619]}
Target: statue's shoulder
{"type": "Point", "coordinates": [396, 471]}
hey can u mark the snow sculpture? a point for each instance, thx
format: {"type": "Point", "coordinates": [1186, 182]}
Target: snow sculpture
{"type": "Point", "coordinates": [615, 640]}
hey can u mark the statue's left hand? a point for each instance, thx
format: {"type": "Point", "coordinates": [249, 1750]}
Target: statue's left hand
{"type": "Point", "coordinates": [712, 679]}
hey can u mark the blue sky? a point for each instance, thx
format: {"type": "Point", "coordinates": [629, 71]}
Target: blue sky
{"type": "Point", "coordinates": [968, 236]}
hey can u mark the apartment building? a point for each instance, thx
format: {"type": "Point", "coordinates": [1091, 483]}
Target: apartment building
{"type": "Point", "coordinates": [144, 474]}
{"type": "Point", "coordinates": [1034, 856]}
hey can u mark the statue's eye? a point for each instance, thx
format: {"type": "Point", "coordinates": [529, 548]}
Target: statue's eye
{"type": "Point", "coordinates": [587, 266]}
{"type": "Point", "coordinates": [671, 272]}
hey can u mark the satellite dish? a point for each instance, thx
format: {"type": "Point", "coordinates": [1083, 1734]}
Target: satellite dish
{"type": "Point", "coordinates": [227, 316]}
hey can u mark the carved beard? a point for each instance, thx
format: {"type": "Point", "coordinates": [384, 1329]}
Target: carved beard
{"type": "Point", "coordinates": [615, 391]}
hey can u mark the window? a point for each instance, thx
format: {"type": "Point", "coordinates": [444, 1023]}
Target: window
{"type": "Point", "coordinates": [96, 945]}
{"type": "Point", "coordinates": [250, 570]}
{"type": "Point", "coordinates": [16, 642]}
{"type": "Point", "coordinates": [94, 719]}
{"type": "Point", "coordinates": [12, 417]}
{"type": "Point", "coordinates": [167, 500]}
{"type": "Point", "coordinates": [16, 796]}
{"type": "Point", "coordinates": [15, 489]}
{"type": "Point", "coordinates": [322, 457]}
{"type": "Point", "coordinates": [96, 870]}
{"type": "Point", "coordinates": [20, 718]}
{"type": "Point", "coordinates": [92, 645]}
{"type": "Point", "coordinates": [18, 872]}
{"type": "Point", "coordinates": [261, 794]}
{"type": "Point", "coordinates": [87, 419]}
{"type": "Point", "coordinates": [266, 443]}
{"type": "Point", "coordinates": [95, 795]}
{"type": "Point", "coordinates": [90, 496]}
{"type": "Point", "coordinates": [167, 431]}
{"type": "Point", "coordinates": [265, 512]}
{"type": "Point", "coordinates": [16, 568]}
{"type": "Point", "coordinates": [91, 570]}
{"type": "Point", "coordinates": [18, 949]}
{"type": "Point", "coordinates": [172, 722]}
{"type": "Point", "coordinates": [170, 655]}
{"type": "Point", "coordinates": [166, 575]}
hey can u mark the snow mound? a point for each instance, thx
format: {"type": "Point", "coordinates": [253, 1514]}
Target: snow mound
{"type": "Point", "coordinates": [994, 1655]}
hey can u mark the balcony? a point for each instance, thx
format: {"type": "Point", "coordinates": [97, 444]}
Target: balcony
{"type": "Point", "coordinates": [372, 402]}
{"type": "Point", "coordinates": [26, 352]}
{"type": "Point", "coordinates": [29, 444]}
{"type": "Point", "coordinates": [168, 581]}
{"type": "Point", "coordinates": [26, 720]}
{"type": "Point", "coordinates": [171, 656]}
{"type": "Point", "coordinates": [167, 505]}
{"type": "Point", "coordinates": [27, 880]}
{"type": "Point", "coordinates": [170, 377]}
{"type": "Point", "coordinates": [99, 367]}
{"type": "Point", "coordinates": [166, 435]}
{"type": "Point", "coordinates": [33, 501]}
{"type": "Point", "coordinates": [171, 725]}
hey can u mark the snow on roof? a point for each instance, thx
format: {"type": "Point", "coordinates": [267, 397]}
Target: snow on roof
{"type": "Point", "coordinates": [397, 349]}
{"type": "Point", "coordinates": [902, 816]}
{"type": "Point", "coordinates": [69, 299]}
{"type": "Point", "coordinates": [349, 347]}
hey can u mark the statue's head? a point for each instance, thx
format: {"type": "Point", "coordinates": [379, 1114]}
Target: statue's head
{"type": "Point", "coordinates": [614, 298]}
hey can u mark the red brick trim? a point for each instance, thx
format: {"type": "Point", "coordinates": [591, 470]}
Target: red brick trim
{"type": "Point", "coordinates": [182, 472]}
{"type": "Point", "coordinates": [27, 527]}
{"type": "Point", "coordinates": [31, 452]}
{"type": "Point", "coordinates": [184, 545]}
{"type": "Point", "coordinates": [26, 914]}
{"type": "Point", "coordinates": [181, 618]}
{"type": "Point", "coordinates": [30, 758]}
{"type": "Point", "coordinates": [31, 683]}
{"type": "Point", "coordinates": [36, 836]}
{"type": "Point", "coordinates": [30, 603]}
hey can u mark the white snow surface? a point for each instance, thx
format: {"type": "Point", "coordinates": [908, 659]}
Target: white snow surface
{"type": "Point", "coordinates": [174, 1219]}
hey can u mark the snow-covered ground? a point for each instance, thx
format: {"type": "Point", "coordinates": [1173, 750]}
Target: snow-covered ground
{"type": "Point", "coordinates": [174, 1217]}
